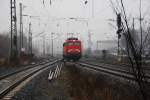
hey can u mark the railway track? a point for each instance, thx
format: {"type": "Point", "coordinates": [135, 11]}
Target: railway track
{"type": "Point", "coordinates": [12, 80]}
{"type": "Point", "coordinates": [23, 69]}
{"type": "Point", "coordinates": [116, 72]}
{"type": "Point", "coordinates": [123, 65]}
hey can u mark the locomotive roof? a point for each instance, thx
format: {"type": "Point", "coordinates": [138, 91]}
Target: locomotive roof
{"type": "Point", "coordinates": [72, 38]}
{"type": "Point", "coordinates": [73, 41]}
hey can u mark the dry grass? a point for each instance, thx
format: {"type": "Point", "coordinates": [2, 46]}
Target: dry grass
{"type": "Point", "coordinates": [86, 85]}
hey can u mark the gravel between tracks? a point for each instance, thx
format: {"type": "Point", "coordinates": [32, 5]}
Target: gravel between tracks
{"type": "Point", "coordinates": [40, 88]}
{"type": "Point", "coordinates": [5, 70]}
{"type": "Point", "coordinates": [9, 69]}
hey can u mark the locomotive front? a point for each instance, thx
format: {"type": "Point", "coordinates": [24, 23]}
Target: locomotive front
{"type": "Point", "coordinates": [72, 49]}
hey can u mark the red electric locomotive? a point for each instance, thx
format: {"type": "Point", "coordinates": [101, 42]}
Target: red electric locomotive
{"type": "Point", "coordinates": [72, 49]}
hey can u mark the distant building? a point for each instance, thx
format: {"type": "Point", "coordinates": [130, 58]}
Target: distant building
{"type": "Point", "coordinates": [107, 45]}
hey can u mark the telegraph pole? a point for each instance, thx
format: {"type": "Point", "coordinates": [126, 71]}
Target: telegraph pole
{"type": "Point", "coordinates": [30, 39]}
{"type": "Point", "coordinates": [21, 29]}
{"type": "Point", "coordinates": [89, 42]}
{"type": "Point", "coordinates": [44, 45]}
{"type": "Point", "coordinates": [89, 39]}
{"type": "Point", "coordinates": [52, 42]}
{"type": "Point", "coordinates": [13, 51]}
{"type": "Point", "coordinates": [97, 45]}
{"type": "Point", "coordinates": [92, 8]}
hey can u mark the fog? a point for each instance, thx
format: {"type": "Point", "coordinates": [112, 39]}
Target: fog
{"type": "Point", "coordinates": [55, 17]}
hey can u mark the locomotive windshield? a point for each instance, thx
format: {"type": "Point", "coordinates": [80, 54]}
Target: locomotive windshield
{"type": "Point", "coordinates": [77, 43]}
{"type": "Point", "coordinates": [70, 43]}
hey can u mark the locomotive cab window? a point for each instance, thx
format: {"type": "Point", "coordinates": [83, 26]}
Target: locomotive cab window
{"type": "Point", "coordinates": [77, 43]}
{"type": "Point", "coordinates": [64, 44]}
{"type": "Point", "coordinates": [70, 44]}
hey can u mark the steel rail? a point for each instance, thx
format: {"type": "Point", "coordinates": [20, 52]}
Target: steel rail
{"type": "Point", "coordinates": [146, 67]}
{"type": "Point", "coordinates": [115, 72]}
{"type": "Point", "coordinates": [19, 81]}
{"type": "Point", "coordinates": [114, 67]}
{"type": "Point", "coordinates": [20, 70]}
{"type": "Point", "coordinates": [123, 65]}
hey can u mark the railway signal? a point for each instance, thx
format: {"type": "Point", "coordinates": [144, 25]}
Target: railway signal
{"type": "Point", "coordinates": [119, 20]}
{"type": "Point", "coordinates": [86, 2]}
{"type": "Point", "coordinates": [119, 25]}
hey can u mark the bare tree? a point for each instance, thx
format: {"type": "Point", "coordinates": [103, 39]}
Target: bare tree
{"type": "Point", "coordinates": [135, 50]}
{"type": "Point", "coordinates": [135, 43]}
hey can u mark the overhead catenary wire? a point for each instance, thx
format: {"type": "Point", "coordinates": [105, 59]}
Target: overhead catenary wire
{"type": "Point", "coordinates": [113, 7]}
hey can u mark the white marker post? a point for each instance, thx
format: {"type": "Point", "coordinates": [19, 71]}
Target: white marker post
{"type": "Point", "coordinates": [50, 77]}
{"type": "Point", "coordinates": [56, 71]}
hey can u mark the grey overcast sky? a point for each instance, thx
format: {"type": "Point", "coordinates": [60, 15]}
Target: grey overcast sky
{"type": "Point", "coordinates": [53, 18]}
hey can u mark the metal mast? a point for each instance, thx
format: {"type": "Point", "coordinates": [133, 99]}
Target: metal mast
{"type": "Point", "coordinates": [30, 39]}
{"type": "Point", "coordinates": [44, 45]}
{"type": "Point", "coordinates": [52, 43]}
{"type": "Point", "coordinates": [21, 28]}
{"type": "Point", "coordinates": [89, 42]}
{"type": "Point", "coordinates": [13, 51]}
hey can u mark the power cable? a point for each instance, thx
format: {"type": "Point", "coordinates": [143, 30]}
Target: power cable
{"type": "Point", "coordinates": [113, 7]}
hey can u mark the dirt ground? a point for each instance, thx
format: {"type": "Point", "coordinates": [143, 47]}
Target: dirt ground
{"type": "Point", "coordinates": [92, 85]}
